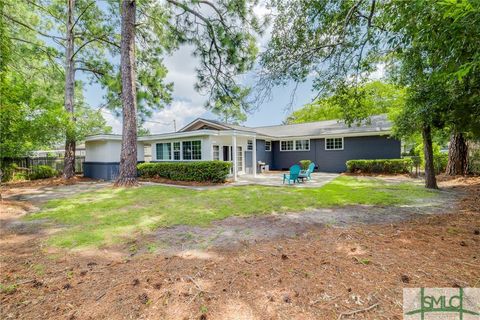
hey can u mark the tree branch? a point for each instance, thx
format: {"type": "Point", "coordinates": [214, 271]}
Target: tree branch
{"type": "Point", "coordinates": [31, 28]}
{"type": "Point", "coordinates": [82, 13]}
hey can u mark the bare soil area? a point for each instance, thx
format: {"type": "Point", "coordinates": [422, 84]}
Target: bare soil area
{"type": "Point", "coordinates": [332, 269]}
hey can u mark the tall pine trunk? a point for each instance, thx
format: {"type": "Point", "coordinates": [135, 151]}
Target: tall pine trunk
{"type": "Point", "coordinates": [457, 155]}
{"type": "Point", "coordinates": [128, 156]}
{"type": "Point", "coordinates": [69, 160]}
{"type": "Point", "coordinates": [430, 180]}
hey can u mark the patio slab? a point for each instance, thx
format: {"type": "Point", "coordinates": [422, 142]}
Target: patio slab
{"type": "Point", "coordinates": [275, 179]}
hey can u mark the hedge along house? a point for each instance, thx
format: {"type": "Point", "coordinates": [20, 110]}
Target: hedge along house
{"type": "Point", "coordinates": [327, 143]}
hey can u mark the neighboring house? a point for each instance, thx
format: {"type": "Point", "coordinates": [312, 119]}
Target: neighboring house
{"type": "Point", "coordinates": [59, 152]}
{"type": "Point", "coordinates": [328, 143]}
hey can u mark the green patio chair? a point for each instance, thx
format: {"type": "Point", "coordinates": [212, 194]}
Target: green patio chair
{"type": "Point", "coordinates": [293, 175]}
{"type": "Point", "coordinates": [306, 174]}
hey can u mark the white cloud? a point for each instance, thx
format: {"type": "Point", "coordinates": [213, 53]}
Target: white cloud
{"type": "Point", "coordinates": [181, 111]}
{"type": "Point", "coordinates": [114, 122]}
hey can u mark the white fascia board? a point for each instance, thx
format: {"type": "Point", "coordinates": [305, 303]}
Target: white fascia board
{"type": "Point", "coordinates": [335, 134]}
{"type": "Point", "coordinates": [175, 135]}
{"type": "Point", "coordinates": [104, 137]}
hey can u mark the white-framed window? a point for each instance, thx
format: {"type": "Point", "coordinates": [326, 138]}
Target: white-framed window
{"type": "Point", "coordinates": [249, 145]}
{"type": "Point", "coordinates": [302, 145]}
{"type": "Point", "coordinates": [295, 145]}
{"type": "Point", "coordinates": [164, 151]}
{"type": "Point", "coordinates": [286, 145]}
{"type": "Point", "coordinates": [333, 143]}
{"type": "Point", "coordinates": [216, 152]}
{"type": "Point", "coordinates": [268, 145]}
{"type": "Point", "coordinates": [176, 151]}
{"type": "Point", "coordinates": [192, 150]}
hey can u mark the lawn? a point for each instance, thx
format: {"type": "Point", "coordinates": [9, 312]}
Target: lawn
{"type": "Point", "coordinates": [110, 215]}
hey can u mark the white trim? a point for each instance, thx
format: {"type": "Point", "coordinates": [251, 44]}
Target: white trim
{"type": "Point", "coordinates": [343, 144]}
{"type": "Point", "coordinates": [254, 158]}
{"type": "Point", "coordinates": [270, 149]}
{"type": "Point", "coordinates": [197, 133]}
{"type": "Point", "coordinates": [294, 145]}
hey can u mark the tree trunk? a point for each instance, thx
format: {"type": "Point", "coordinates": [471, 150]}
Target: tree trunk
{"type": "Point", "coordinates": [457, 155]}
{"type": "Point", "coordinates": [430, 180]}
{"type": "Point", "coordinates": [128, 156]}
{"type": "Point", "coordinates": [69, 161]}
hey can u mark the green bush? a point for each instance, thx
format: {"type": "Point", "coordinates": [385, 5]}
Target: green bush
{"type": "Point", "coordinates": [440, 160]}
{"type": "Point", "coordinates": [7, 172]}
{"type": "Point", "coordinates": [304, 164]}
{"type": "Point", "coordinates": [200, 171]}
{"type": "Point", "coordinates": [42, 172]}
{"type": "Point", "coordinates": [474, 162]}
{"type": "Point", "coordinates": [380, 166]}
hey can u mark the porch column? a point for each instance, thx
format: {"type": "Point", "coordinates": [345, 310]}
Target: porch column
{"type": "Point", "coordinates": [254, 157]}
{"type": "Point", "coordinates": [234, 156]}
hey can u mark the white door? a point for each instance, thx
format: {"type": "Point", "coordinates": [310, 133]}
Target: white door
{"type": "Point", "coordinates": [239, 159]}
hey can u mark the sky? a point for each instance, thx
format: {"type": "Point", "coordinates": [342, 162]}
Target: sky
{"type": "Point", "coordinates": [188, 104]}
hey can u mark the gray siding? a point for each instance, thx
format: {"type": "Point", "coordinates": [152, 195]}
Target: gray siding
{"type": "Point", "coordinates": [372, 147]}
{"type": "Point", "coordinates": [101, 170]}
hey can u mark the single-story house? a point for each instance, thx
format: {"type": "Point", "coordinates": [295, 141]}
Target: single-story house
{"type": "Point", "coordinates": [328, 143]}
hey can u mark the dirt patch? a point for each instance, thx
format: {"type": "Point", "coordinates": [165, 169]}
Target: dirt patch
{"type": "Point", "coordinates": [56, 181]}
{"type": "Point", "coordinates": [233, 232]}
{"type": "Point", "coordinates": [317, 275]}
{"type": "Point", "coordinates": [39, 193]}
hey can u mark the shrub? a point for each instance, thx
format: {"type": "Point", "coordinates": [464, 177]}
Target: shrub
{"type": "Point", "coordinates": [440, 161]}
{"type": "Point", "coordinates": [7, 172]}
{"type": "Point", "coordinates": [474, 162]}
{"type": "Point", "coordinates": [304, 164]}
{"type": "Point", "coordinates": [380, 166]}
{"type": "Point", "coordinates": [42, 172]}
{"type": "Point", "coordinates": [200, 171]}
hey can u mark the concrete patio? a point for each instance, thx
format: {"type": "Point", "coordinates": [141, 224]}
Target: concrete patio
{"type": "Point", "coordinates": [275, 178]}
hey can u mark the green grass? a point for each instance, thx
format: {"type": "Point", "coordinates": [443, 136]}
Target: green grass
{"type": "Point", "coordinates": [110, 215]}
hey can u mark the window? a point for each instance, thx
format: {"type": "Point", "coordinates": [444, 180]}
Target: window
{"type": "Point", "coordinates": [176, 151]}
{"type": "Point", "coordinates": [286, 145]}
{"type": "Point", "coordinates": [249, 145]}
{"type": "Point", "coordinates": [268, 145]}
{"type": "Point", "coordinates": [295, 145]}
{"type": "Point", "coordinates": [302, 145]}
{"type": "Point", "coordinates": [192, 150]}
{"type": "Point", "coordinates": [164, 151]}
{"type": "Point", "coordinates": [216, 153]}
{"type": "Point", "coordinates": [334, 144]}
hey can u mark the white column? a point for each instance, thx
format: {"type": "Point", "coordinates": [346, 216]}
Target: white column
{"type": "Point", "coordinates": [234, 156]}
{"type": "Point", "coordinates": [254, 157]}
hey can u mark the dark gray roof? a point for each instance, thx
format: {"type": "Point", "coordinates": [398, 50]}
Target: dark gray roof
{"type": "Point", "coordinates": [378, 123]}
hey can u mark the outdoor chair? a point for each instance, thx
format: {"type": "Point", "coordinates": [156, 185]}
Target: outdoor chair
{"type": "Point", "coordinates": [293, 175]}
{"type": "Point", "coordinates": [306, 174]}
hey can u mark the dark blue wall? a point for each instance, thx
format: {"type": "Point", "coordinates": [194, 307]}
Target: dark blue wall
{"type": "Point", "coordinates": [262, 155]}
{"type": "Point", "coordinates": [373, 147]}
{"type": "Point", "coordinates": [101, 170]}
